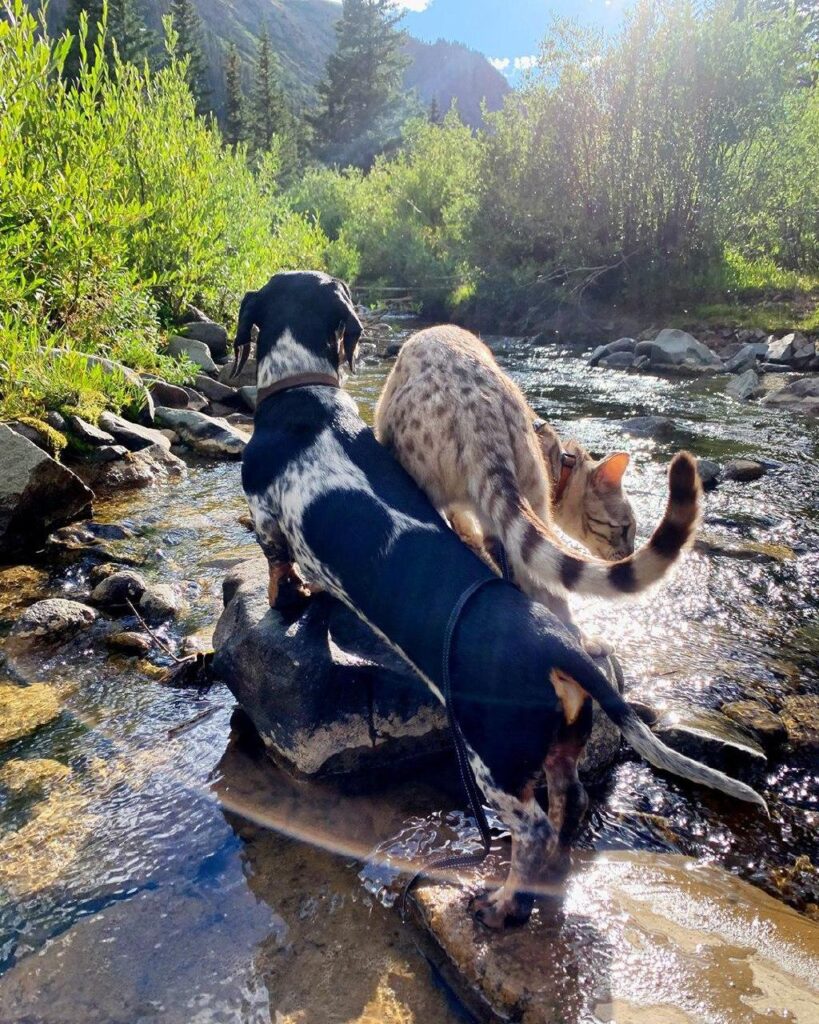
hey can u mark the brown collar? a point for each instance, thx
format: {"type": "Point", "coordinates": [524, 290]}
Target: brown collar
{"type": "Point", "coordinates": [567, 464]}
{"type": "Point", "coordinates": [298, 380]}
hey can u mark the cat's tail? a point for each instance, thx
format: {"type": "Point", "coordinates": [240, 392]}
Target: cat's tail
{"type": "Point", "coordinates": [582, 671]}
{"type": "Point", "coordinates": [535, 552]}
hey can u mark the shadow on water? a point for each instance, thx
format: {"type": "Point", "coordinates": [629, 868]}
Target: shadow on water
{"type": "Point", "coordinates": [168, 878]}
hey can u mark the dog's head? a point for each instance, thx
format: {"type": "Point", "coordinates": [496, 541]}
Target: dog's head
{"type": "Point", "coordinates": [306, 321]}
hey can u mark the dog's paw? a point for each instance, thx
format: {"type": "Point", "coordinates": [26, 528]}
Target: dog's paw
{"type": "Point", "coordinates": [496, 914]}
{"type": "Point", "coordinates": [596, 647]}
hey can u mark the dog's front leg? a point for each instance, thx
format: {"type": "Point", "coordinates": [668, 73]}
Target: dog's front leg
{"type": "Point", "coordinates": [285, 587]}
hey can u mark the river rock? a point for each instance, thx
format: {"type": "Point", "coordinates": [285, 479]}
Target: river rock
{"type": "Point", "coordinates": [215, 438]}
{"type": "Point", "coordinates": [747, 357]}
{"type": "Point", "coordinates": [88, 433]}
{"type": "Point", "coordinates": [49, 622]}
{"type": "Point", "coordinates": [133, 470]}
{"type": "Point", "coordinates": [602, 351]}
{"type": "Point", "coordinates": [757, 719]}
{"type": "Point", "coordinates": [130, 642]}
{"type": "Point", "coordinates": [247, 378]}
{"type": "Point", "coordinates": [160, 601]}
{"type": "Point", "coordinates": [743, 387]}
{"type": "Point", "coordinates": [638, 938]}
{"type": "Point", "coordinates": [800, 396]}
{"type": "Point", "coordinates": [214, 336]}
{"type": "Point", "coordinates": [20, 585]}
{"type": "Point", "coordinates": [216, 391]}
{"type": "Point", "coordinates": [118, 588]}
{"type": "Point", "coordinates": [170, 396]}
{"type": "Point", "coordinates": [327, 696]}
{"type": "Point", "coordinates": [37, 494]}
{"type": "Point", "coordinates": [196, 401]}
{"type": "Point", "coordinates": [801, 718]}
{"type": "Point", "coordinates": [712, 738]}
{"type": "Point", "coordinates": [782, 350]}
{"type": "Point", "coordinates": [658, 427]}
{"type": "Point", "coordinates": [743, 470]}
{"type": "Point", "coordinates": [678, 348]}
{"type": "Point", "coordinates": [804, 357]}
{"type": "Point", "coordinates": [133, 436]}
{"type": "Point", "coordinates": [196, 351]}
{"type": "Point", "coordinates": [32, 776]}
{"type": "Point", "coordinates": [710, 473]}
{"type": "Point", "coordinates": [24, 709]}
{"type": "Point", "coordinates": [617, 361]}
{"type": "Point", "coordinates": [248, 393]}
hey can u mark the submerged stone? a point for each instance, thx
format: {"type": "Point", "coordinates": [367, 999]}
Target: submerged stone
{"type": "Point", "coordinates": [24, 709]}
{"type": "Point", "coordinates": [711, 737]}
{"type": "Point", "coordinates": [35, 775]}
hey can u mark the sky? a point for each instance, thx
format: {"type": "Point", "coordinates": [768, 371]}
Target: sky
{"type": "Point", "coordinates": [506, 31]}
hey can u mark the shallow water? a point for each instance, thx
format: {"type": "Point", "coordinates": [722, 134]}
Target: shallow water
{"type": "Point", "coordinates": [176, 877]}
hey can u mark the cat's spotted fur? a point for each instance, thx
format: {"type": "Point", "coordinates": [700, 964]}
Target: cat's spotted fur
{"type": "Point", "coordinates": [464, 431]}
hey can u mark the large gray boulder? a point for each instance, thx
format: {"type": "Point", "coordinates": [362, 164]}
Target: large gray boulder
{"type": "Point", "coordinates": [678, 349]}
{"type": "Point", "coordinates": [207, 435]}
{"type": "Point", "coordinates": [210, 334]}
{"type": "Point", "coordinates": [37, 494]}
{"type": "Point", "coordinates": [326, 695]}
{"type": "Point", "coordinates": [744, 386]}
{"type": "Point", "coordinates": [197, 351]}
{"type": "Point", "coordinates": [799, 396]}
{"type": "Point", "coordinates": [132, 436]}
{"type": "Point", "coordinates": [247, 378]}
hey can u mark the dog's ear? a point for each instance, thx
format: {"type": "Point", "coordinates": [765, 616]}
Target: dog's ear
{"type": "Point", "coordinates": [348, 333]}
{"type": "Point", "coordinates": [244, 332]}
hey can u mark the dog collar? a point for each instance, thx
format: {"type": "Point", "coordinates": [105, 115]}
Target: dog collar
{"type": "Point", "coordinates": [298, 380]}
{"type": "Point", "coordinates": [567, 464]}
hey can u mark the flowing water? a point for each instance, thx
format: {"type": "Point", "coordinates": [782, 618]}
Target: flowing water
{"type": "Point", "coordinates": [175, 876]}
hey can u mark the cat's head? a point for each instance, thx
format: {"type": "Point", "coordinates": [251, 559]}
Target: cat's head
{"type": "Point", "coordinates": [594, 508]}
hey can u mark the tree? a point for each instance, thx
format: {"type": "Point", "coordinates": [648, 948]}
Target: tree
{"type": "Point", "coordinates": [188, 27]}
{"type": "Point", "coordinates": [125, 28]}
{"type": "Point", "coordinates": [234, 99]}
{"type": "Point", "coordinates": [361, 99]}
{"type": "Point", "coordinates": [270, 116]}
{"type": "Point", "coordinates": [434, 114]}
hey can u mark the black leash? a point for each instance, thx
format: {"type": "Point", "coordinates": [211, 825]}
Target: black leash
{"type": "Point", "coordinates": [458, 860]}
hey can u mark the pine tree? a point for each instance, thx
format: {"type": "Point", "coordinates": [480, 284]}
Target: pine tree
{"type": "Point", "coordinates": [126, 27]}
{"type": "Point", "coordinates": [270, 115]}
{"type": "Point", "coordinates": [361, 100]}
{"type": "Point", "coordinates": [434, 114]}
{"type": "Point", "coordinates": [234, 99]}
{"type": "Point", "coordinates": [188, 26]}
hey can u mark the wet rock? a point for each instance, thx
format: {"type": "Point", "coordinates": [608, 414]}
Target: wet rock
{"type": "Point", "coordinates": [712, 738]}
{"type": "Point", "coordinates": [90, 541]}
{"type": "Point", "coordinates": [248, 394]}
{"type": "Point", "coordinates": [745, 550]}
{"type": "Point", "coordinates": [801, 718]}
{"type": "Point", "coordinates": [49, 622]}
{"type": "Point", "coordinates": [170, 396]}
{"type": "Point", "coordinates": [241, 420]}
{"type": "Point", "coordinates": [743, 470]}
{"type": "Point", "coordinates": [205, 435]}
{"type": "Point", "coordinates": [747, 357]}
{"type": "Point", "coordinates": [639, 938]}
{"type": "Point", "coordinates": [88, 433]}
{"type": "Point", "coordinates": [37, 494]}
{"type": "Point", "coordinates": [757, 719]}
{"type": "Point", "coordinates": [603, 351]}
{"type": "Point", "coordinates": [33, 776]}
{"type": "Point", "coordinates": [133, 470]}
{"type": "Point", "coordinates": [118, 588]}
{"type": "Point", "coordinates": [215, 391]}
{"type": "Point", "coordinates": [659, 427]}
{"type": "Point", "coordinates": [214, 336]}
{"type": "Point", "coordinates": [678, 348]}
{"type": "Point", "coordinates": [246, 378]}
{"type": "Point", "coordinates": [710, 473]}
{"type": "Point", "coordinates": [160, 601]}
{"type": "Point", "coordinates": [24, 709]}
{"type": "Point", "coordinates": [743, 387]}
{"type": "Point", "coordinates": [326, 695]}
{"type": "Point", "coordinates": [799, 396]}
{"type": "Point", "coordinates": [130, 642]}
{"type": "Point", "coordinates": [617, 361]}
{"type": "Point", "coordinates": [20, 585]}
{"type": "Point", "coordinates": [196, 351]}
{"type": "Point", "coordinates": [132, 435]}
{"type": "Point", "coordinates": [774, 368]}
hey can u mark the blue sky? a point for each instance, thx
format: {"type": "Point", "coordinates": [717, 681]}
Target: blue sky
{"type": "Point", "coordinates": [505, 30]}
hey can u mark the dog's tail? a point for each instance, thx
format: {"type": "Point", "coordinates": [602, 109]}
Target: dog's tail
{"type": "Point", "coordinates": [637, 734]}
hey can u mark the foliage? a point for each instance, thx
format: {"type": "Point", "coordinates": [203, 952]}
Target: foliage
{"type": "Point", "coordinates": [272, 125]}
{"type": "Point", "coordinates": [234, 129]}
{"type": "Point", "coordinates": [124, 22]}
{"type": "Point", "coordinates": [187, 26]}
{"type": "Point", "coordinates": [361, 100]}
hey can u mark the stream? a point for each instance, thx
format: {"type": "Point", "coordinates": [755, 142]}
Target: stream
{"type": "Point", "coordinates": [175, 876]}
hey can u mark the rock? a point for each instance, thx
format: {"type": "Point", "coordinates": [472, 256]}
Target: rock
{"type": "Point", "coordinates": [37, 494]}
{"type": "Point", "coordinates": [118, 588]}
{"type": "Point", "coordinates": [215, 391]}
{"type": "Point", "coordinates": [107, 453]}
{"type": "Point", "coordinates": [246, 378]}
{"type": "Point", "coordinates": [746, 358]}
{"type": "Point", "coordinates": [20, 585]}
{"type": "Point", "coordinates": [50, 621]}
{"type": "Point", "coordinates": [88, 433]}
{"type": "Point", "coordinates": [90, 541]}
{"type": "Point", "coordinates": [743, 470]}
{"type": "Point", "coordinates": [712, 738]}
{"type": "Point", "coordinates": [170, 396]}
{"type": "Point", "coordinates": [33, 776]}
{"type": "Point", "coordinates": [326, 695]}
{"type": "Point", "coordinates": [132, 435]}
{"type": "Point", "coordinates": [133, 470]}
{"type": "Point", "coordinates": [248, 394]}
{"type": "Point", "coordinates": [782, 350]}
{"type": "Point", "coordinates": [196, 401]}
{"type": "Point", "coordinates": [639, 938]}
{"type": "Point", "coordinates": [774, 368]}
{"type": "Point", "coordinates": [24, 709]}
{"type": "Point", "coordinates": [710, 473]}
{"type": "Point", "coordinates": [39, 433]}
{"type": "Point", "coordinates": [617, 361]}
{"type": "Point", "coordinates": [800, 396]}
{"type": "Point", "coordinates": [214, 336]}
{"type": "Point", "coordinates": [196, 351]}
{"type": "Point", "coordinates": [677, 348]}
{"type": "Point", "coordinates": [743, 387]}
{"type": "Point", "coordinates": [212, 437]}
{"type": "Point", "coordinates": [241, 421]}
{"type": "Point", "coordinates": [658, 427]}
{"type": "Point", "coordinates": [159, 602]}
{"type": "Point", "coordinates": [56, 420]}
{"type": "Point", "coordinates": [130, 642]}
{"type": "Point", "coordinates": [800, 716]}
{"type": "Point", "coordinates": [762, 723]}
{"type": "Point", "coordinates": [621, 345]}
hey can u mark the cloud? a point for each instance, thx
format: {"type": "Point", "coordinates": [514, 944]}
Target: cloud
{"type": "Point", "coordinates": [501, 63]}
{"type": "Point", "coordinates": [525, 63]}
{"type": "Point", "coordinates": [414, 5]}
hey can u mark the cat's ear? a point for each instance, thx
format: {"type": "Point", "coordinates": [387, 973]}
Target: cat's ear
{"type": "Point", "coordinates": [609, 473]}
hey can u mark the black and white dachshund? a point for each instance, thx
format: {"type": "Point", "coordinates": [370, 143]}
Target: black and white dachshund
{"type": "Point", "coordinates": [328, 498]}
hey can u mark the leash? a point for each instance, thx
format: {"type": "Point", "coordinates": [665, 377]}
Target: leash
{"type": "Point", "coordinates": [458, 860]}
